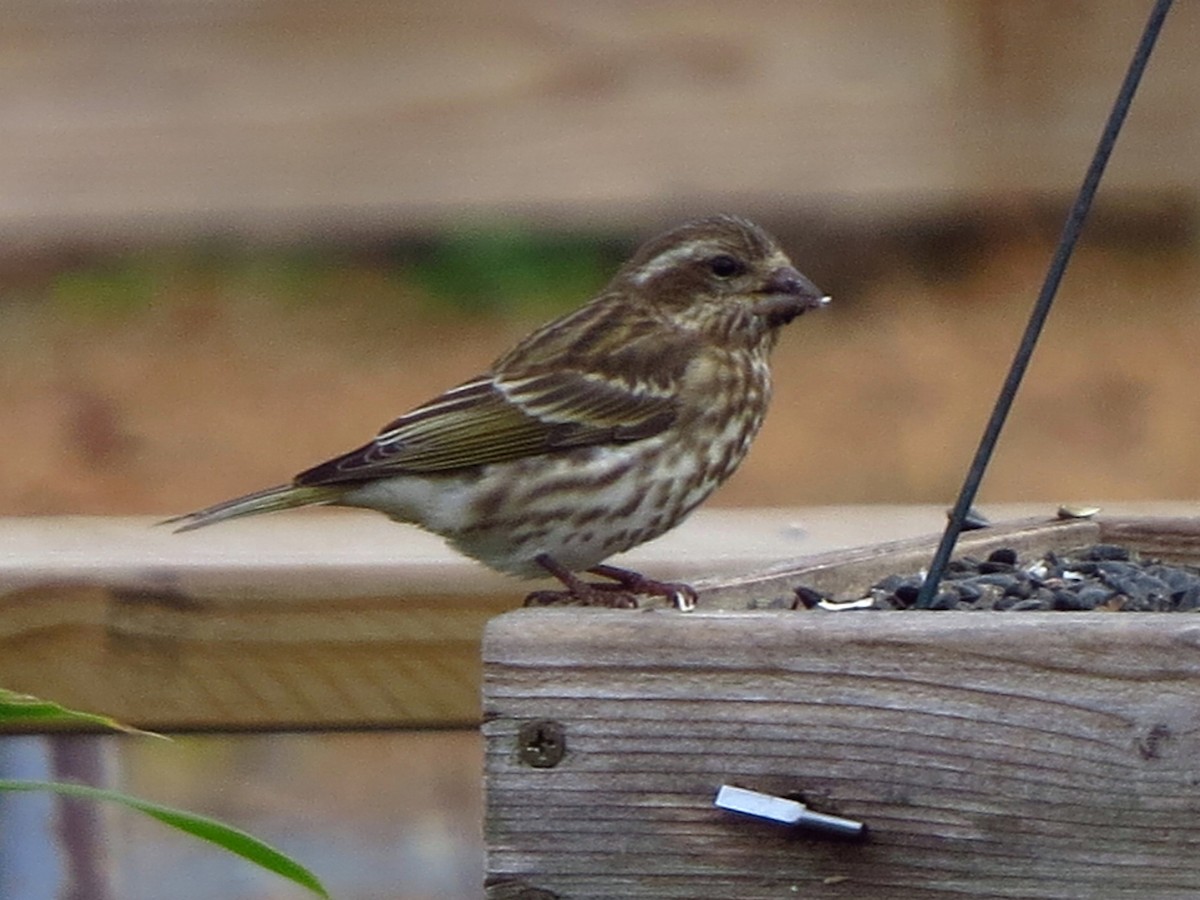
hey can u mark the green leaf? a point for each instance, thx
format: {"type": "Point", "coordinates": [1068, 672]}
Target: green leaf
{"type": "Point", "coordinates": [503, 267]}
{"type": "Point", "coordinates": [232, 839]}
{"type": "Point", "coordinates": [24, 709]}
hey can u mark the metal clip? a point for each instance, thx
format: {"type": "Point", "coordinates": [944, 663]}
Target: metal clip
{"type": "Point", "coordinates": [786, 812]}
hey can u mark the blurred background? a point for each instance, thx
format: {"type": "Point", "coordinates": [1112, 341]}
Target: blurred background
{"type": "Point", "coordinates": [240, 235]}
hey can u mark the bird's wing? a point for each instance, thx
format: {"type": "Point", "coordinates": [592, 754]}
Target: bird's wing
{"type": "Point", "coordinates": [493, 419]}
{"type": "Point", "coordinates": [603, 374]}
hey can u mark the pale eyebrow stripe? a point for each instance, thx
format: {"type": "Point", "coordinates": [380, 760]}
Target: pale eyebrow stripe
{"type": "Point", "coordinates": [668, 258]}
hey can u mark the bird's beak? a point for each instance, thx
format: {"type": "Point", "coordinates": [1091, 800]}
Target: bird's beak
{"type": "Point", "coordinates": [785, 295]}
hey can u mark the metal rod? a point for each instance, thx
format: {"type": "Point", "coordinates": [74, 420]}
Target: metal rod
{"type": "Point", "coordinates": [1058, 265]}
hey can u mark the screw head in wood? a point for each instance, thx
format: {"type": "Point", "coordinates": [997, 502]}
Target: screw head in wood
{"type": "Point", "coordinates": [541, 743]}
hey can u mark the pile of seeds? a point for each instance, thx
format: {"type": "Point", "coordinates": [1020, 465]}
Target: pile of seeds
{"type": "Point", "coordinates": [1104, 577]}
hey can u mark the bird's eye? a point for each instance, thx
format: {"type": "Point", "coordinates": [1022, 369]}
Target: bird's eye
{"type": "Point", "coordinates": [726, 266]}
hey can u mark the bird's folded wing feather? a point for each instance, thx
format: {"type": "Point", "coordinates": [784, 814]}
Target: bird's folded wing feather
{"type": "Point", "coordinates": [494, 419]}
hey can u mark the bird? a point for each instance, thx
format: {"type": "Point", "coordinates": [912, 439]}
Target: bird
{"type": "Point", "coordinates": [597, 432]}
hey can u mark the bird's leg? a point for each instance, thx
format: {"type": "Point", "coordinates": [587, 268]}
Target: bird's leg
{"type": "Point", "coordinates": [579, 591]}
{"type": "Point", "coordinates": [683, 596]}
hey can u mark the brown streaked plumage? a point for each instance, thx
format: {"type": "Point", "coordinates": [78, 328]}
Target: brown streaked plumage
{"type": "Point", "coordinates": [597, 432]}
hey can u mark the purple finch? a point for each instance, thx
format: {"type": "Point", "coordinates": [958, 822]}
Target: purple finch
{"type": "Point", "coordinates": [599, 431]}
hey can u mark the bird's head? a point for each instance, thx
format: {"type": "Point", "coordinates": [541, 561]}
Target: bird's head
{"type": "Point", "coordinates": [723, 276]}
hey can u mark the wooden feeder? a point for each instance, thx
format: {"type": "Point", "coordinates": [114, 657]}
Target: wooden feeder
{"type": "Point", "coordinates": [989, 754]}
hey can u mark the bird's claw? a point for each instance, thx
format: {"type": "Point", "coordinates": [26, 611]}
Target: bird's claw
{"type": "Point", "coordinates": [682, 596]}
{"type": "Point", "coordinates": [608, 596]}
{"type": "Point", "coordinates": [622, 594]}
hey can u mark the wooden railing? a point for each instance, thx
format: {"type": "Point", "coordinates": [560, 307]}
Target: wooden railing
{"type": "Point", "coordinates": [1056, 753]}
{"type": "Point", "coordinates": [304, 621]}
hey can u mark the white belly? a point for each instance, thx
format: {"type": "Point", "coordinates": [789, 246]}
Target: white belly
{"type": "Point", "coordinates": [578, 506]}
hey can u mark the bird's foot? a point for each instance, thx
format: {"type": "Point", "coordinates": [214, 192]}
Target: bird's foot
{"type": "Point", "coordinates": [621, 595]}
{"type": "Point", "coordinates": [682, 596]}
{"type": "Point", "coordinates": [610, 596]}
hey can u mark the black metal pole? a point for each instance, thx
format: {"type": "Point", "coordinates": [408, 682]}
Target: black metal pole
{"type": "Point", "coordinates": [1041, 309]}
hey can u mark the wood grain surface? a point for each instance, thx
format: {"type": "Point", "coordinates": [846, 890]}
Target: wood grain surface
{"type": "Point", "coordinates": [156, 119]}
{"type": "Point", "coordinates": [330, 621]}
{"type": "Point", "coordinates": [309, 621]}
{"type": "Point", "coordinates": [173, 661]}
{"type": "Point", "coordinates": [991, 755]}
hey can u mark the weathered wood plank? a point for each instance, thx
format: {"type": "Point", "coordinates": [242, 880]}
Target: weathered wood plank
{"type": "Point", "coordinates": [850, 572]}
{"type": "Point", "coordinates": [1173, 539]}
{"type": "Point", "coordinates": [268, 626]}
{"type": "Point", "coordinates": [145, 118]}
{"type": "Point", "coordinates": [303, 621]}
{"type": "Point", "coordinates": [349, 621]}
{"type": "Point", "coordinates": [169, 660]}
{"type": "Point", "coordinates": [1013, 755]}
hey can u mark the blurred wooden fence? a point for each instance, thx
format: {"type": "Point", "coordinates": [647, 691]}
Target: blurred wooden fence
{"type": "Point", "coordinates": [134, 119]}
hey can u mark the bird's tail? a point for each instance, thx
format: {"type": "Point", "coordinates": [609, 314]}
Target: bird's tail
{"type": "Point", "coordinates": [284, 496]}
